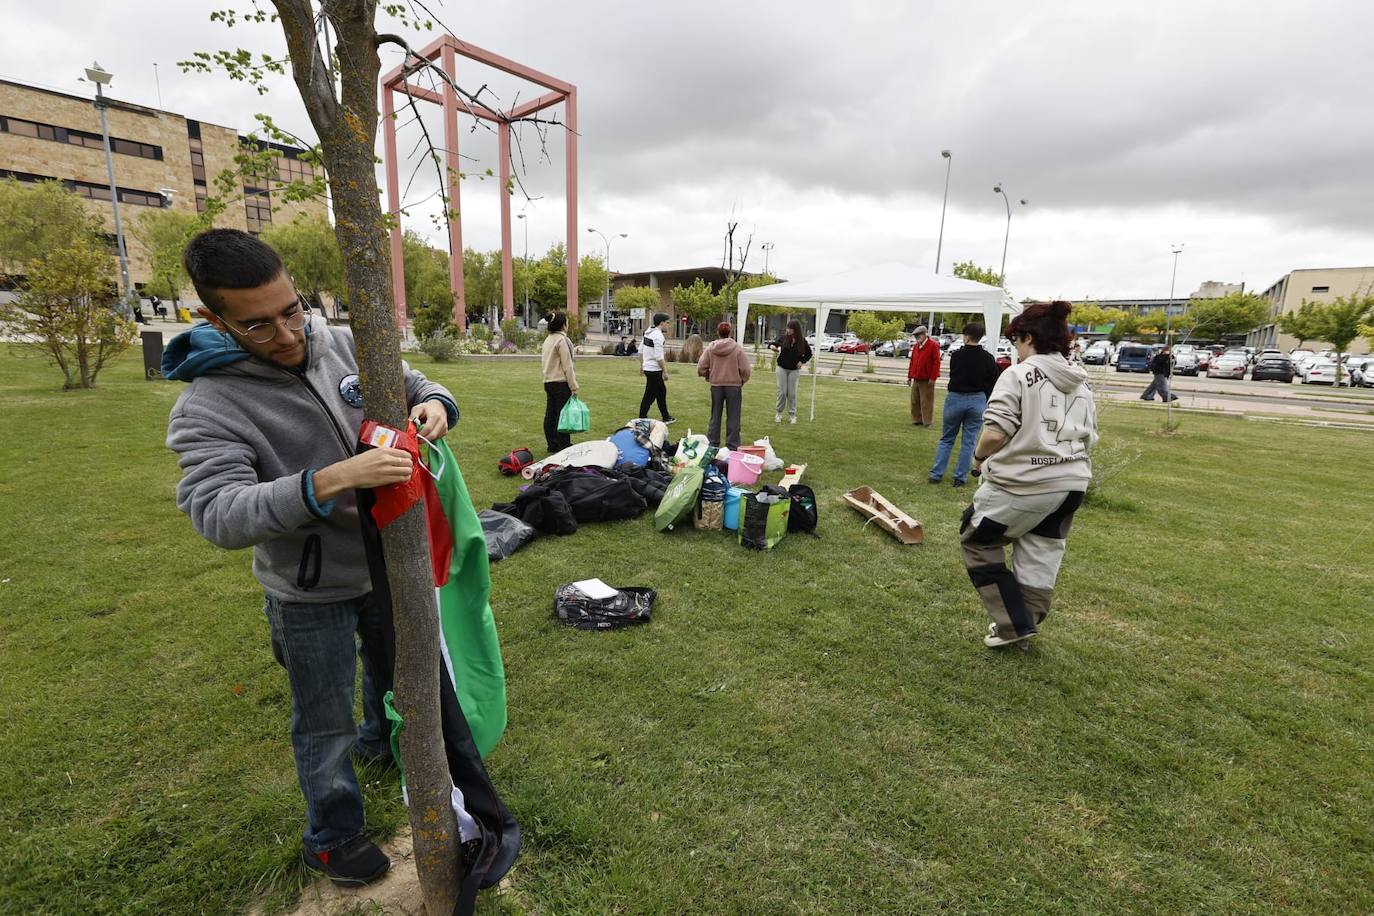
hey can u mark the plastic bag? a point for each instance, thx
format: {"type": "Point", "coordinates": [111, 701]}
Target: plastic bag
{"type": "Point", "coordinates": [771, 461]}
{"type": "Point", "coordinates": [628, 605]}
{"type": "Point", "coordinates": [505, 534]}
{"type": "Point", "coordinates": [575, 417]}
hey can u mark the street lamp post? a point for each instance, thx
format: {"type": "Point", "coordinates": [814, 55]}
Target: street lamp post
{"type": "Point", "coordinates": [767, 247]}
{"type": "Point", "coordinates": [102, 78]}
{"type": "Point", "coordinates": [997, 189]}
{"type": "Point", "coordinates": [940, 241]}
{"type": "Point", "coordinates": [1177, 249]}
{"type": "Point", "coordinates": [521, 217]}
{"type": "Point", "coordinates": [606, 306]}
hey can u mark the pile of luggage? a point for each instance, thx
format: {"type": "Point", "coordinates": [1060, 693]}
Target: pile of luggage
{"type": "Point", "coordinates": [711, 487]}
{"type": "Point", "coordinates": [637, 468]}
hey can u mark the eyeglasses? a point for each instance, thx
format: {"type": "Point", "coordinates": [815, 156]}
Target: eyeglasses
{"type": "Point", "coordinates": [264, 331]}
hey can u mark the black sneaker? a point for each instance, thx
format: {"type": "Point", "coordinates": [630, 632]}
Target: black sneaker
{"type": "Point", "coordinates": [932, 480]}
{"type": "Point", "coordinates": [669, 420]}
{"type": "Point", "coordinates": [356, 862]}
{"type": "Point", "coordinates": [956, 483]}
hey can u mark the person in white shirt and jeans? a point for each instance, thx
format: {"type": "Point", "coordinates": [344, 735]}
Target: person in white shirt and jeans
{"type": "Point", "coordinates": [653, 367]}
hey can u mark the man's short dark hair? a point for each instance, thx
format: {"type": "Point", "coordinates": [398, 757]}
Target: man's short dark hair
{"type": "Point", "coordinates": [219, 259]}
{"type": "Point", "coordinates": [974, 330]}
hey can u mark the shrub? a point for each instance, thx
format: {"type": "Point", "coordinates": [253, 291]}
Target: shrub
{"type": "Point", "coordinates": [577, 328]}
{"type": "Point", "coordinates": [608, 349]}
{"type": "Point", "coordinates": [440, 347]}
{"type": "Point", "coordinates": [481, 332]}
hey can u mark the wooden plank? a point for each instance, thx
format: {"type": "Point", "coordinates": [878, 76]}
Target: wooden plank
{"type": "Point", "coordinates": [894, 521]}
{"type": "Point", "coordinates": [792, 474]}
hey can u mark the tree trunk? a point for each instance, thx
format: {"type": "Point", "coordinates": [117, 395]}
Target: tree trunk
{"type": "Point", "coordinates": [347, 131]}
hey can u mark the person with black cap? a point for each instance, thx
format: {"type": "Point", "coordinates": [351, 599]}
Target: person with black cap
{"type": "Point", "coordinates": [654, 367]}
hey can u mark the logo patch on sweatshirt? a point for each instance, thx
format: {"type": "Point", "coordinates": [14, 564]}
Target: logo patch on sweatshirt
{"type": "Point", "coordinates": [351, 390]}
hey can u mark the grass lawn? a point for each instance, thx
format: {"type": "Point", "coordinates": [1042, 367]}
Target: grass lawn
{"type": "Point", "coordinates": [815, 729]}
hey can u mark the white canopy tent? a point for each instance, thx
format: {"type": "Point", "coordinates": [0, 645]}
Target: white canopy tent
{"type": "Point", "coordinates": [882, 288]}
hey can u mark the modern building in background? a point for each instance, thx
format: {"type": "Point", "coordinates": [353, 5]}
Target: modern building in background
{"type": "Point", "coordinates": [1322, 284]}
{"type": "Point", "coordinates": [1211, 289]}
{"type": "Point", "coordinates": [161, 160]}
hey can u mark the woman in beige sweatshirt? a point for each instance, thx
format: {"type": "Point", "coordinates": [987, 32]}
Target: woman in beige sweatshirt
{"type": "Point", "coordinates": [560, 381]}
{"type": "Point", "coordinates": [1038, 429]}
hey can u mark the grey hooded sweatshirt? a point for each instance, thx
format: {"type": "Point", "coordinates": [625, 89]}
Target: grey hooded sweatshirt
{"type": "Point", "coordinates": [1045, 408]}
{"type": "Point", "coordinates": [249, 434]}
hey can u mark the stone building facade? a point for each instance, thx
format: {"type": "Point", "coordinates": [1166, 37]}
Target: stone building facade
{"type": "Point", "coordinates": [161, 160]}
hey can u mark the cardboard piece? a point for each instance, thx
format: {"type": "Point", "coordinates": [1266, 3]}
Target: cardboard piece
{"type": "Point", "coordinates": [897, 523]}
{"type": "Point", "coordinates": [792, 474]}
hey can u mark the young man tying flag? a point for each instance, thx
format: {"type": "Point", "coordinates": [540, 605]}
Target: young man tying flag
{"type": "Point", "coordinates": [266, 435]}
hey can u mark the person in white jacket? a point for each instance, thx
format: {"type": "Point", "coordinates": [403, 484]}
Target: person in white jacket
{"type": "Point", "coordinates": [1038, 430]}
{"type": "Point", "coordinates": [654, 368]}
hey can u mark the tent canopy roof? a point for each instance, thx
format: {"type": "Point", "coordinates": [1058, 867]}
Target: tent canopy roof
{"type": "Point", "coordinates": [887, 287]}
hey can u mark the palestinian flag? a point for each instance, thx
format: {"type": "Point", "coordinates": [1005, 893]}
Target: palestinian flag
{"type": "Point", "coordinates": [471, 650]}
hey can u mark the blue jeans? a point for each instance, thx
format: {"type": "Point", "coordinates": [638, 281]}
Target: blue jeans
{"type": "Point", "coordinates": [961, 410]}
{"type": "Point", "coordinates": [315, 643]}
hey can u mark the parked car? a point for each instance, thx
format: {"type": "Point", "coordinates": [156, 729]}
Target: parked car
{"type": "Point", "coordinates": [1204, 359]}
{"type": "Point", "coordinates": [852, 345]}
{"type": "Point", "coordinates": [827, 343]}
{"type": "Point", "coordinates": [1300, 358]}
{"type": "Point", "coordinates": [1003, 354]}
{"type": "Point", "coordinates": [901, 347]}
{"type": "Point", "coordinates": [1133, 358]}
{"type": "Point", "coordinates": [1097, 354]}
{"type": "Point", "coordinates": [1319, 371]}
{"type": "Point", "coordinates": [1273, 367]}
{"type": "Point", "coordinates": [1357, 367]}
{"type": "Point", "coordinates": [1228, 365]}
{"type": "Point", "coordinates": [1185, 360]}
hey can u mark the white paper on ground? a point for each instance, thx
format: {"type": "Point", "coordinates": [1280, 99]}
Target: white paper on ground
{"type": "Point", "coordinates": [595, 589]}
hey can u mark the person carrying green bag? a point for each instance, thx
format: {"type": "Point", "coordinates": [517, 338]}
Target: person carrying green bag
{"type": "Point", "coordinates": [560, 383]}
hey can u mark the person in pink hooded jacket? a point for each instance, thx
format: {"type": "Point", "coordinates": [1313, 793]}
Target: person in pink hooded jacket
{"type": "Point", "coordinates": [725, 364]}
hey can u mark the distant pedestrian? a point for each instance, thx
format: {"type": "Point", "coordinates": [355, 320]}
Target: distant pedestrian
{"type": "Point", "coordinates": [793, 353]}
{"type": "Point", "coordinates": [972, 374]}
{"type": "Point", "coordinates": [921, 374]}
{"type": "Point", "coordinates": [622, 348]}
{"type": "Point", "coordinates": [725, 364]}
{"type": "Point", "coordinates": [1162, 366]}
{"type": "Point", "coordinates": [560, 381]}
{"type": "Point", "coordinates": [654, 367]}
{"type": "Point", "coordinates": [1040, 426]}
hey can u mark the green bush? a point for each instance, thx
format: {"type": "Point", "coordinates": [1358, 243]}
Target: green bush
{"type": "Point", "coordinates": [440, 347]}
{"type": "Point", "coordinates": [481, 332]}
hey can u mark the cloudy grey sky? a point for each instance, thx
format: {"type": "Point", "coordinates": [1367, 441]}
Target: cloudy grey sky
{"type": "Point", "coordinates": [1243, 129]}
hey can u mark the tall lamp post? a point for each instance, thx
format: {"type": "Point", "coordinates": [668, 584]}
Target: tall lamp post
{"type": "Point", "coordinates": [521, 217]}
{"type": "Point", "coordinates": [940, 241]}
{"type": "Point", "coordinates": [1177, 249]}
{"type": "Point", "coordinates": [102, 78]}
{"type": "Point", "coordinates": [997, 189]}
{"type": "Point", "coordinates": [767, 247]}
{"type": "Point", "coordinates": [606, 308]}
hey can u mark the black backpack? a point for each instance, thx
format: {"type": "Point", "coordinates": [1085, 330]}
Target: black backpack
{"type": "Point", "coordinates": [804, 514]}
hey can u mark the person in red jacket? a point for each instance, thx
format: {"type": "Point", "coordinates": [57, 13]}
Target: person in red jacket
{"type": "Point", "coordinates": [921, 374]}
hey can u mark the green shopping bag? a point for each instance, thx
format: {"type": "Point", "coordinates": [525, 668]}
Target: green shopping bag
{"type": "Point", "coordinates": [575, 416]}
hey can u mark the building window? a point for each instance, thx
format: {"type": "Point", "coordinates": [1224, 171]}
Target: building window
{"type": "Point", "coordinates": [92, 191]}
{"type": "Point", "coordinates": [78, 138]}
{"type": "Point", "coordinates": [289, 169]}
{"type": "Point", "coordinates": [258, 209]}
{"type": "Point", "coordinates": [1321, 289]}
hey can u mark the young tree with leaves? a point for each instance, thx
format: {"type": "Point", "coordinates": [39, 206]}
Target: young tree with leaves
{"type": "Point", "coordinates": [697, 303]}
{"type": "Point", "coordinates": [67, 292]}
{"type": "Point", "coordinates": [309, 249]}
{"type": "Point", "coordinates": [65, 305]}
{"type": "Point", "coordinates": [1301, 324]}
{"type": "Point", "coordinates": [868, 326]}
{"type": "Point", "coordinates": [1232, 314]}
{"type": "Point", "coordinates": [163, 235]}
{"type": "Point", "coordinates": [968, 270]}
{"type": "Point", "coordinates": [1338, 323]}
